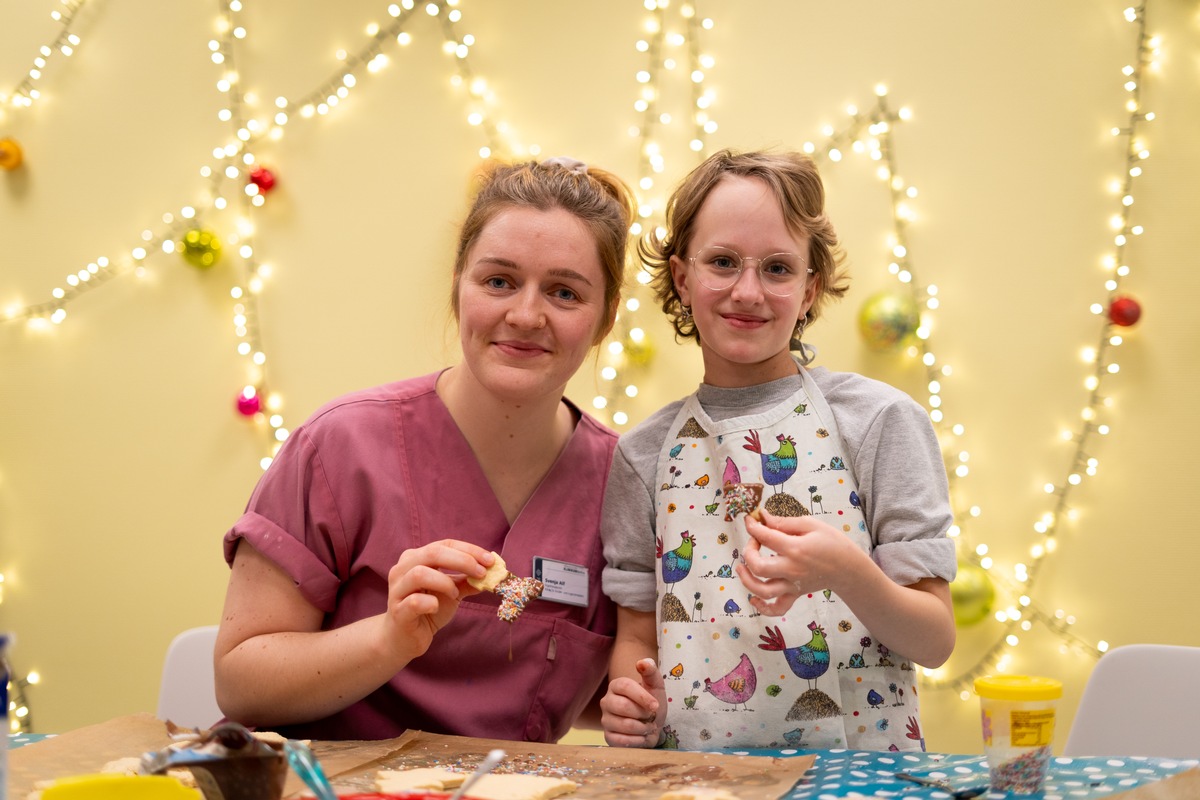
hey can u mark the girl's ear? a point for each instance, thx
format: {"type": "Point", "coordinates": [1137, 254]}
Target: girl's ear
{"type": "Point", "coordinates": [679, 276]}
{"type": "Point", "coordinates": [811, 292]}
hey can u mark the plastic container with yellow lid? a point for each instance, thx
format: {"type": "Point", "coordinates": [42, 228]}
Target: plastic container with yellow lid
{"type": "Point", "coordinates": [1018, 715]}
{"type": "Point", "coordinates": [119, 787]}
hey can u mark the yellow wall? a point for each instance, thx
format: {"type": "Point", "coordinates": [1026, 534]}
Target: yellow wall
{"type": "Point", "coordinates": [122, 461]}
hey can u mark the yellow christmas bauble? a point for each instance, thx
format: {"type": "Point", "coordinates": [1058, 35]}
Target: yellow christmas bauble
{"type": "Point", "coordinates": [10, 154]}
{"type": "Point", "coordinates": [972, 594]}
{"type": "Point", "coordinates": [201, 248]}
{"type": "Point", "coordinates": [888, 320]}
{"type": "Point", "coordinates": [639, 353]}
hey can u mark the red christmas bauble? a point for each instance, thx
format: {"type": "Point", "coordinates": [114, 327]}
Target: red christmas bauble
{"type": "Point", "coordinates": [248, 404]}
{"type": "Point", "coordinates": [1124, 311]}
{"type": "Point", "coordinates": [263, 178]}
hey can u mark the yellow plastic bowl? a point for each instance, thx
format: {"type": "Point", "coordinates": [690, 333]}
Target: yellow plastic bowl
{"type": "Point", "coordinates": [119, 787]}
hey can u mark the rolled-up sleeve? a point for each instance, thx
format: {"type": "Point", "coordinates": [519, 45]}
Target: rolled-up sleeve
{"type": "Point", "coordinates": [627, 531]}
{"type": "Point", "coordinates": [906, 495]}
{"type": "Point", "coordinates": [292, 520]}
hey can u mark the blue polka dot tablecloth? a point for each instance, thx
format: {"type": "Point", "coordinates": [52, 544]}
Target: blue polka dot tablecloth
{"type": "Point", "coordinates": [872, 774]}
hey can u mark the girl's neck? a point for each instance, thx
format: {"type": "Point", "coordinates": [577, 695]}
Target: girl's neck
{"type": "Point", "coordinates": [723, 374]}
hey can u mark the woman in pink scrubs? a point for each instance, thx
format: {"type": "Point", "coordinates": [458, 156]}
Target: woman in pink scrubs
{"type": "Point", "coordinates": [348, 614]}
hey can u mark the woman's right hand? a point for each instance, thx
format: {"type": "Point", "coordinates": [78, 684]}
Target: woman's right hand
{"type": "Point", "coordinates": [633, 711]}
{"type": "Point", "coordinates": [424, 589]}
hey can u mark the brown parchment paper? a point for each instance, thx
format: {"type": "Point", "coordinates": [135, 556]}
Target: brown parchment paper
{"type": "Point", "coordinates": [600, 771]}
{"type": "Point", "coordinates": [85, 750]}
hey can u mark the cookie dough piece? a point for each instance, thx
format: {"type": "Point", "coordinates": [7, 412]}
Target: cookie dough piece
{"type": "Point", "coordinates": [520, 787]}
{"type": "Point", "coordinates": [394, 781]}
{"type": "Point", "coordinates": [496, 573]}
{"type": "Point", "coordinates": [698, 793]}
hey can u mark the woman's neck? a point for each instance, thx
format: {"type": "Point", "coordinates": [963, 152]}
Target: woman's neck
{"type": "Point", "coordinates": [515, 442]}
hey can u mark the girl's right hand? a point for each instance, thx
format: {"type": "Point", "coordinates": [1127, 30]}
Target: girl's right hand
{"type": "Point", "coordinates": [633, 712]}
{"type": "Point", "coordinates": [424, 589]}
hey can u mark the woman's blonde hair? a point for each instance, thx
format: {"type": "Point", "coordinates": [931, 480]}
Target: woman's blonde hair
{"type": "Point", "coordinates": [598, 198]}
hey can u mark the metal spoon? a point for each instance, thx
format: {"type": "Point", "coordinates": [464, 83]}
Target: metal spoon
{"type": "Point", "coordinates": [305, 764]}
{"type": "Point", "coordinates": [487, 765]}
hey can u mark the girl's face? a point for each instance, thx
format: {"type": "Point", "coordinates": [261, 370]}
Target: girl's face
{"type": "Point", "coordinates": [744, 329]}
{"type": "Point", "coordinates": [530, 303]}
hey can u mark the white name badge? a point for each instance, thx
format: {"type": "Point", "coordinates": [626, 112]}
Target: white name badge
{"type": "Point", "coordinates": [562, 582]}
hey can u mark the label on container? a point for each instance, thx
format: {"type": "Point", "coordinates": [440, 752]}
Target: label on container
{"type": "Point", "coordinates": [1032, 728]}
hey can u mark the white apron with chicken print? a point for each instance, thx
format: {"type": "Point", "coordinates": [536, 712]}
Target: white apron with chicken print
{"type": "Point", "coordinates": [812, 678]}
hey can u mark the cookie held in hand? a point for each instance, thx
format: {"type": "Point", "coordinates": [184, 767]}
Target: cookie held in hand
{"type": "Point", "coordinates": [515, 592]}
{"type": "Point", "coordinates": [742, 498]}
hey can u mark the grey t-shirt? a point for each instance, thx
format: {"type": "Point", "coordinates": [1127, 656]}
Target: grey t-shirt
{"type": "Point", "coordinates": [891, 447]}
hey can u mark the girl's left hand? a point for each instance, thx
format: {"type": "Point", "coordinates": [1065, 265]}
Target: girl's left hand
{"type": "Point", "coordinates": [810, 556]}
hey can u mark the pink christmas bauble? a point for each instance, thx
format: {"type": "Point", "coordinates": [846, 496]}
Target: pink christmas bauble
{"type": "Point", "coordinates": [248, 404]}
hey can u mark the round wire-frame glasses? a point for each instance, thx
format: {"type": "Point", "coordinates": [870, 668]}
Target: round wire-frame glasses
{"type": "Point", "coordinates": [781, 274]}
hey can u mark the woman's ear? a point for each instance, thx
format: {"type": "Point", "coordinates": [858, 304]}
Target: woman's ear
{"type": "Point", "coordinates": [679, 277]}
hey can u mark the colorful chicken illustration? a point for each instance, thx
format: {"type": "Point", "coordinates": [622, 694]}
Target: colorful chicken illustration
{"type": "Point", "coordinates": [737, 687]}
{"type": "Point", "coordinates": [777, 467]}
{"type": "Point", "coordinates": [677, 563]}
{"type": "Point", "coordinates": [808, 661]}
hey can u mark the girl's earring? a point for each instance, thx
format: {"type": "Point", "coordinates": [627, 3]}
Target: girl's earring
{"type": "Point", "coordinates": [685, 313]}
{"type": "Point", "coordinates": [805, 353]}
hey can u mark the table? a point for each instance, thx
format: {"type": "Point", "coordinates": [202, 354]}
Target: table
{"type": "Point", "coordinates": [871, 774]}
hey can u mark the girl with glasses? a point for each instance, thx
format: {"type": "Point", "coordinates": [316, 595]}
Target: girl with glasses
{"type": "Point", "coordinates": [800, 625]}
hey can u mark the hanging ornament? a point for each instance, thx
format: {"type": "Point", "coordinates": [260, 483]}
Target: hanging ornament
{"type": "Point", "coordinates": [888, 320]}
{"type": "Point", "coordinates": [972, 594]}
{"type": "Point", "coordinates": [249, 402]}
{"type": "Point", "coordinates": [10, 154]}
{"type": "Point", "coordinates": [1124, 311]}
{"type": "Point", "coordinates": [639, 352]}
{"type": "Point", "coordinates": [201, 248]}
{"type": "Point", "coordinates": [263, 178]}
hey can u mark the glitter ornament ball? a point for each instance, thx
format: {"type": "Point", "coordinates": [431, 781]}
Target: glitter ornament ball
{"type": "Point", "coordinates": [1124, 311]}
{"type": "Point", "coordinates": [11, 155]}
{"type": "Point", "coordinates": [888, 320]}
{"type": "Point", "coordinates": [263, 178]}
{"type": "Point", "coordinates": [639, 352]}
{"type": "Point", "coordinates": [201, 248]}
{"type": "Point", "coordinates": [249, 402]}
{"type": "Point", "coordinates": [972, 594]}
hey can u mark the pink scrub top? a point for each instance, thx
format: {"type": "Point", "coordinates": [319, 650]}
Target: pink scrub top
{"type": "Point", "coordinates": [386, 469]}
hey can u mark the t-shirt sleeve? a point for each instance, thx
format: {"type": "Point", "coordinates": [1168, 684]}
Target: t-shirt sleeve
{"type": "Point", "coordinates": [628, 522]}
{"type": "Point", "coordinates": [292, 519]}
{"type": "Point", "coordinates": [898, 466]}
{"type": "Point", "coordinates": [627, 532]}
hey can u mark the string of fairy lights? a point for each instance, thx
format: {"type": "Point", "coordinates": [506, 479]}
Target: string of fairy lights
{"type": "Point", "coordinates": [239, 183]}
{"type": "Point", "coordinates": [669, 50]}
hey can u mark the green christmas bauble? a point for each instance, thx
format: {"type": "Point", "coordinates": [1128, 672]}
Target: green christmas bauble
{"type": "Point", "coordinates": [888, 320]}
{"type": "Point", "coordinates": [201, 248]}
{"type": "Point", "coordinates": [972, 594]}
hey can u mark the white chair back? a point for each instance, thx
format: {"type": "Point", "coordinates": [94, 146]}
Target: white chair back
{"type": "Point", "coordinates": [1141, 700]}
{"type": "Point", "coordinates": [187, 695]}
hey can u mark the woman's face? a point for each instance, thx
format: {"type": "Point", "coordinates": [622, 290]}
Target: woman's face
{"type": "Point", "coordinates": [745, 331]}
{"type": "Point", "coordinates": [530, 302]}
